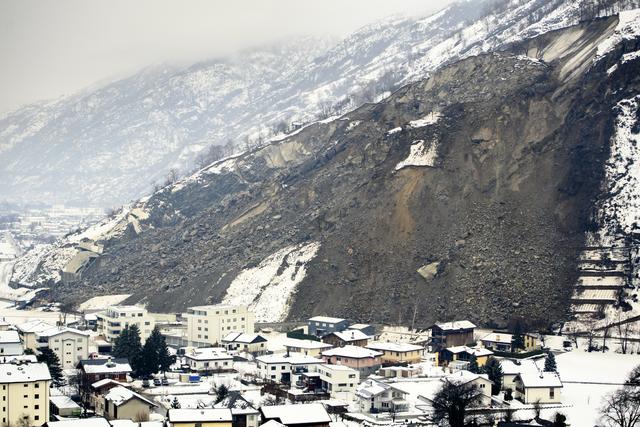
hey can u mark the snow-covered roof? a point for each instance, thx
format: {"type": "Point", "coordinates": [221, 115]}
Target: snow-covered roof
{"type": "Point", "coordinates": [359, 326]}
{"type": "Point", "coordinates": [352, 351]}
{"type": "Point", "coordinates": [499, 337]}
{"type": "Point", "coordinates": [123, 423]}
{"type": "Point", "coordinates": [244, 338]}
{"type": "Point", "coordinates": [19, 357]}
{"type": "Point", "coordinates": [9, 337]}
{"type": "Point", "coordinates": [22, 373]}
{"type": "Point", "coordinates": [476, 351]}
{"type": "Point", "coordinates": [238, 404]}
{"type": "Point", "coordinates": [306, 344]}
{"type": "Point", "coordinates": [105, 381]}
{"type": "Point", "coordinates": [400, 347]}
{"type": "Point", "coordinates": [106, 366]}
{"type": "Point", "coordinates": [120, 395]}
{"type": "Point", "coordinates": [63, 402]}
{"type": "Point", "coordinates": [293, 359]}
{"type": "Point", "coordinates": [34, 326]}
{"type": "Point", "coordinates": [510, 367]}
{"type": "Point", "coordinates": [296, 414]}
{"type": "Point", "coordinates": [351, 335]}
{"type": "Point", "coordinates": [272, 423]}
{"type": "Point", "coordinates": [208, 353]}
{"type": "Point", "coordinates": [371, 388]}
{"type": "Point", "coordinates": [81, 422]}
{"type": "Point", "coordinates": [456, 325]}
{"type": "Point", "coordinates": [333, 367]}
{"type": "Point", "coordinates": [539, 380]}
{"type": "Point", "coordinates": [326, 319]}
{"type": "Point", "coordinates": [464, 377]}
{"type": "Point", "coordinates": [199, 415]}
{"type": "Point", "coordinates": [57, 330]}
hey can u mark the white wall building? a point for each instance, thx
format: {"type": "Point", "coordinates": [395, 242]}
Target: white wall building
{"type": "Point", "coordinates": [69, 344]}
{"type": "Point", "coordinates": [205, 359]}
{"type": "Point", "coordinates": [285, 368]}
{"type": "Point", "coordinates": [10, 344]}
{"type": "Point", "coordinates": [112, 321]}
{"type": "Point", "coordinates": [339, 381]}
{"type": "Point", "coordinates": [208, 324]}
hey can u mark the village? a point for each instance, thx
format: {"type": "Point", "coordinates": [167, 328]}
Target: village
{"type": "Point", "coordinates": [111, 364]}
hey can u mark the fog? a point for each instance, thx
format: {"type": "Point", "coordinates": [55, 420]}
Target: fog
{"type": "Point", "coordinates": [52, 48]}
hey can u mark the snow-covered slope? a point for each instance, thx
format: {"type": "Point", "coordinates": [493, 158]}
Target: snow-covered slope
{"type": "Point", "coordinates": [107, 146]}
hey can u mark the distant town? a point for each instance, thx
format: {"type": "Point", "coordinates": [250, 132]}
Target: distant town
{"type": "Point", "coordinates": [110, 364]}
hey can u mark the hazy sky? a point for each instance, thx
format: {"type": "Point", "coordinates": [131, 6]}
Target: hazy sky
{"type": "Point", "coordinates": [49, 48]}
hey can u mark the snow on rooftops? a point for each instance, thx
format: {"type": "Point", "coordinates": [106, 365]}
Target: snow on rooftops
{"type": "Point", "coordinates": [296, 414]}
{"type": "Point", "coordinates": [463, 377]}
{"type": "Point", "coordinates": [510, 367]}
{"type": "Point", "coordinates": [105, 366]}
{"type": "Point", "coordinates": [244, 338]}
{"type": "Point", "coordinates": [9, 337]}
{"type": "Point", "coordinates": [352, 351]}
{"type": "Point", "coordinates": [539, 379]}
{"type": "Point", "coordinates": [81, 422]}
{"type": "Point", "coordinates": [208, 353]}
{"type": "Point", "coordinates": [292, 358]}
{"type": "Point", "coordinates": [306, 344]}
{"type": "Point", "coordinates": [326, 319]}
{"type": "Point", "coordinates": [351, 335]}
{"type": "Point", "coordinates": [272, 423]}
{"type": "Point", "coordinates": [199, 415]}
{"type": "Point", "coordinates": [22, 373]}
{"type": "Point", "coordinates": [105, 381]}
{"type": "Point", "coordinates": [120, 395]}
{"type": "Point", "coordinates": [57, 330]}
{"type": "Point", "coordinates": [456, 325]}
{"type": "Point", "coordinates": [497, 337]}
{"type": "Point", "coordinates": [371, 388]}
{"type": "Point", "coordinates": [476, 351]}
{"type": "Point", "coordinates": [33, 326]}
{"type": "Point", "coordinates": [332, 367]}
{"type": "Point", "coordinates": [392, 346]}
{"type": "Point", "coordinates": [63, 402]}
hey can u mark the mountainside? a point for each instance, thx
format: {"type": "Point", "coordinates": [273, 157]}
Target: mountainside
{"type": "Point", "coordinates": [94, 147]}
{"type": "Point", "coordinates": [475, 185]}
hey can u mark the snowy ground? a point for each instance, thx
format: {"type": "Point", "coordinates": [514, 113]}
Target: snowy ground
{"type": "Point", "coordinates": [15, 316]}
{"type": "Point", "coordinates": [101, 302]}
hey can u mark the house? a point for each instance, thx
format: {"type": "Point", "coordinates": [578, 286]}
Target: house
{"type": "Point", "coordinates": [306, 347]}
{"type": "Point", "coordinates": [369, 330]}
{"type": "Point", "coordinates": [243, 342]}
{"type": "Point", "coordinates": [462, 353]}
{"type": "Point", "coordinates": [307, 415]}
{"type": "Point", "coordinates": [339, 381]}
{"type": "Point", "coordinates": [208, 324]}
{"type": "Point", "coordinates": [28, 330]}
{"type": "Point", "coordinates": [543, 387]}
{"type": "Point", "coordinates": [375, 396]}
{"type": "Point", "coordinates": [364, 360]}
{"type": "Point", "coordinates": [24, 393]}
{"type": "Point", "coordinates": [500, 341]}
{"type": "Point", "coordinates": [286, 368]}
{"type": "Point", "coordinates": [511, 369]}
{"type": "Point", "coordinates": [346, 337]}
{"type": "Point", "coordinates": [100, 388]}
{"type": "Point", "coordinates": [323, 325]}
{"type": "Point", "coordinates": [98, 369]}
{"type": "Point", "coordinates": [397, 353]}
{"type": "Point", "coordinates": [63, 406]}
{"type": "Point", "coordinates": [112, 321]}
{"type": "Point", "coordinates": [69, 344]}
{"type": "Point", "coordinates": [242, 412]}
{"type": "Point", "coordinates": [451, 334]}
{"type": "Point", "coordinates": [480, 381]}
{"type": "Point", "coordinates": [209, 417]}
{"type": "Point", "coordinates": [208, 359]}
{"type": "Point", "coordinates": [10, 344]}
{"type": "Point", "coordinates": [122, 403]}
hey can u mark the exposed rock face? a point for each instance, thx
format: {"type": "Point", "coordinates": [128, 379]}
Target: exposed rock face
{"type": "Point", "coordinates": [516, 148]}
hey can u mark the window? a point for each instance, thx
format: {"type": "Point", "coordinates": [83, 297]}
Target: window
{"type": "Point", "coordinates": [552, 393]}
{"type": "Point", "coordinates": [79, 348]}
{"type": "Point", "coordinates": [36, 407]}
{"type": "Point", "coordinates": [26, 385]}
{"type": "Point", "coordinates": [36, 385]}
{"type": "Point", "coordinates": [37, 396]}
{"type": "Point", "coordinates": [36, 417]}
{"type": "Point", "coordinates": [273, 368]}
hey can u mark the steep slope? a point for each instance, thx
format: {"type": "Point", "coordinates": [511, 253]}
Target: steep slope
{"type": "Point", "coordinates": [483, 177]}
{"type": "Point", "coordinates": [92, 148]}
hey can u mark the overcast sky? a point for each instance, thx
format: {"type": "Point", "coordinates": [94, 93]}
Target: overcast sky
{"type": "Point", "coordinates": [50, 48]}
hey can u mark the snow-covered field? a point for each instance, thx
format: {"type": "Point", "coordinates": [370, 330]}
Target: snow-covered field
{"type": "Point", "coordinates": [267, 288]}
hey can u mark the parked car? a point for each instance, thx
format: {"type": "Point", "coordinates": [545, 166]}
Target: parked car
{"type": "Point", "coordinates": [165, 381]}
{"type": "Point", "coordinates": [145, 383]}
{"type": "Point", "coordinates": [156, 382]}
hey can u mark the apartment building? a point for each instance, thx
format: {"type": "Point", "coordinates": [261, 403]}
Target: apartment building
{"type": "Point", "coordinates": [69, 344]}
{"type": "Point", "coordinates": [207, 325]}
{"type": "Point", "coordinates": [112, 321]}
{"type": "Point", "coordinates": [10, 344]}
{"type": "Point", "coordinates": [24, 393]}
{"type": "Point", "coordinates": [339, 381]}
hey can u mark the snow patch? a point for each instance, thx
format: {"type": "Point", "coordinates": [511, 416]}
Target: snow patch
{"type": "Point", "coordinates": [394, 130]}
{"type": "Point", "coordinates": [628, 28]}
{"type": "Point", "coordinates": [420, 154]}
{"type": "Point", "coordinates": [353, 124]}
{"type": "Point", "coordinates": [430, 119]}
{"type": "Point", "coordinates": [268, 287]}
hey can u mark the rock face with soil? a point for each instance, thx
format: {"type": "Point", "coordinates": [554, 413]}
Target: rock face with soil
{"type": "Point", "coordinates": [476, 208]}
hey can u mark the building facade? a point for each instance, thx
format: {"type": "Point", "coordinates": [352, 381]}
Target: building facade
{"type": "Point", "coordinates": [70, 345]}
{"type": "Point", "coordinates": [207, 325]}
{"type": "Point", "coordinates": [24, 394]}
{"type": "Point", "coordinates": [323, 325]}
{"type": "Point", "coordinates": [112, 321]}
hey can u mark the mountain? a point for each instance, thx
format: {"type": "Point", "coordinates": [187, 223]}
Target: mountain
{"type": "Point", "coordinates": [469, 193]}
{"type": "Point", "coordinates": [106, 146]}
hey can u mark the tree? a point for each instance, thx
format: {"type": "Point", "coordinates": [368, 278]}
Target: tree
{"type": "Point", "coordinates": [222, 391]}
{"type": "Point", "coordinates": [53, 362]}
{"type": "Point", "coordinates": [559, 420]}
{"type": "Point", "coordinates": [493, 369]}
{"type": "Point", "coordinates": [473, 365]}
{"type": "Point", "coordinates": [155, 354]}
{"type": "Point", "coordinates": [517, 340]}
{"type": "Point", "coordinates": [174, 403]}
{"type": "Point", "coordinates": [550, 363]}
{"type": "Point", "coordinates": [452, 401]}
{"type": "Point", "coordinates": [634, 377]}
{"type": "Point", "coordinates": [621, 408]}
{"type": "Point", "coordinates": [127, 345]}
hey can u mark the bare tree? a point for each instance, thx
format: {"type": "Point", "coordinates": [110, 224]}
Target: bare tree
{"type": "Point", "coordinates": [625, 331]}
{"type": "Point", "coordinates": [621, 408]}
{"type": "Point", "coordinates": [172, 176]}
{"type": "Point", "coordinates": [452, 402]}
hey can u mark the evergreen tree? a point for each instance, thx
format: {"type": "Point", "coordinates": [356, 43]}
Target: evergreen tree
{"type": "Point", "coordinates": [175, 404]}
{"type": "Point", "coordinates": [222, 391]}
{"type": "Point", "coordinates": [493, 369]}
{"type": "Point", "coordinates": [165, 359]}
{"type": "Point", "coordinates": [550, 363]}
{"type": "Point", "coordinates": [155, 354]}
{"type": "Point", "coordinates": [473, 365]}
{"type": "Point", "coordinates": [517, 340]}
{"type": "Point", "coordinates": [127, 345]}
{"type": "Point", "coordinates": [51, 359]}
